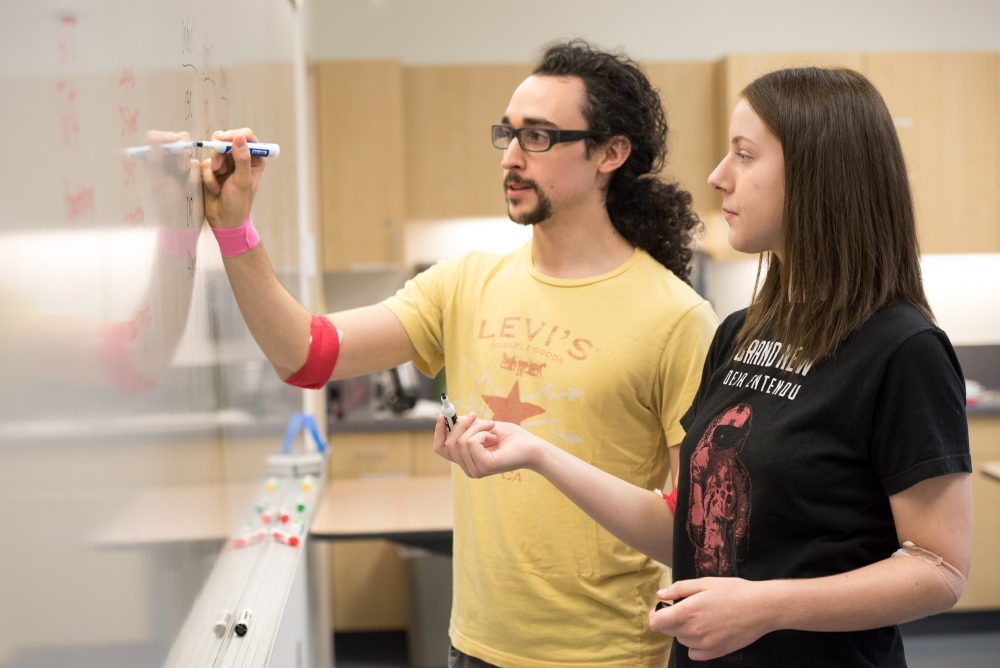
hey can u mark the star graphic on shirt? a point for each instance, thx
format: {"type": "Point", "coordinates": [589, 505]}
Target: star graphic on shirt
{"type": "Point", "coordinates": [511, 408]}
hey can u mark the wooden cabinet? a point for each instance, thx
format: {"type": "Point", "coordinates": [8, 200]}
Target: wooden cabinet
{"type": "Point", "coordinates": [982, 591]}
{"type": "Point", "coordinates": [452, 169]}
{"type": "Point", "coordinates": [359, 118]}
{"type": "Point", "coordinates": [411, 143]}
{"type": "Point", "coordinates": [689, 91]}
{"type": "Point", "coordinates": [368, 577]}
{"type": "Point", "coordinates": [946, 112]}
{"type": "Point", "coordinates": [740, 69]}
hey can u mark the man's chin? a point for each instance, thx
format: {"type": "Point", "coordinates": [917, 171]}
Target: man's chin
{"type": "Point", "coordinates": [523, 219]}
{"type": "Point", "coordinates": [524, 223]}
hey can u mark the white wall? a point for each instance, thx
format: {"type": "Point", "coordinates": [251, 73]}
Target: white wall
{"type": "Point", "coordinates": [473, 31]}
{"type": "Point", "coordinates": [963, 291]}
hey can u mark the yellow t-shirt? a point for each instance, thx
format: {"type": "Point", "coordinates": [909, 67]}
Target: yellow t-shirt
{"type": "Point", "coordinates": [603, 367]}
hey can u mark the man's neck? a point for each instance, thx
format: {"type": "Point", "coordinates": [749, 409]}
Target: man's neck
{"type": "Point", "coordinates": [581, 248]}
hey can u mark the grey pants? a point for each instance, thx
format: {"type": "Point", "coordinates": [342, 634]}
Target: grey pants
{"type": "Point", "coordinates": [457, 659]}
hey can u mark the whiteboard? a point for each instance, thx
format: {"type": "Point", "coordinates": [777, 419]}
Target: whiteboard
{"type": "Point", "coordinates": [125, 367]}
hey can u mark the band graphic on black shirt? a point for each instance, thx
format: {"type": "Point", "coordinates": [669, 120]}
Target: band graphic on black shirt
{"type": "Point", "coordinates": [719, 509]}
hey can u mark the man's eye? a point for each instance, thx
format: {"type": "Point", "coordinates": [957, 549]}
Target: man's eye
{"type": "Point", "coordinates": [536, 137]}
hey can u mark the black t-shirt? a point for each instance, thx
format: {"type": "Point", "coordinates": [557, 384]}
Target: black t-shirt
{"type": "Point", "coordinates": [786, 468]}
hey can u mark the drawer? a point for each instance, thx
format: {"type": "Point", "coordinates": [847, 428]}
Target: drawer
{"type": "Point", "coordinates": [425, 462]}
{"type": "Point", "coordinates": [360, 455]}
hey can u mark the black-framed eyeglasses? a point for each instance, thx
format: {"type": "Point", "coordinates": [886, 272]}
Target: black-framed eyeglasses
{"type": "Point", "coordinates": [537, 140]}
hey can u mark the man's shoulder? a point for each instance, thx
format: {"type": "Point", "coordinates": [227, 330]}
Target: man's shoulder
{"type": "Point", "coordinates": [663, 286]}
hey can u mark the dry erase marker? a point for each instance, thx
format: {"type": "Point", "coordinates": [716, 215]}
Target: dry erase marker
{"type": "Point", "coordinates": [222, 623]}
{"type": "Point", "coordinates": [290, 537]}
{"type": "Point", "coordinates": [243, 623]}
{"type": "Point", "coordinates": [249, 538]}
{"type": "Point", "coordinates": [258, 149]}
{"type": "Point", "coordinates": [449, 412]}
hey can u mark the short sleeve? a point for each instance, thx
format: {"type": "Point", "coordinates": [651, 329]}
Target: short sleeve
{"type": "Point", "coordinates": [712, 360]}
{"type": "Point", "coordinates": [421, 305]}
{"type": "Point", "coordinates": [683, 360]}
{"type": "Point", "coordinates": [919, 428]}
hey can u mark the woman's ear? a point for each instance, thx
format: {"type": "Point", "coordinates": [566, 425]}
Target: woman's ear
{"type": "Point", "coordinates": [616, 152]}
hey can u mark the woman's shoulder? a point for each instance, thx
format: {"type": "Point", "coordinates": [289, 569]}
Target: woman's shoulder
{"type": "Point", "coordinates": [897, 323]}
{"type": "Point", "coordinates": [900, 329]}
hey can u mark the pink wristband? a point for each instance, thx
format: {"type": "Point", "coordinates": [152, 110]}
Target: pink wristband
{"type": "Point", "coordinates": [236, 240]}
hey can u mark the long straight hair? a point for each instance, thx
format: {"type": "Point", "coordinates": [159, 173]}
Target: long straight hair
{"type": "Point", "coordinates": [849, 238]}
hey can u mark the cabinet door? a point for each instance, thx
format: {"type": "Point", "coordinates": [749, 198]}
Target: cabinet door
{"type": "Point", "coordinates": [360, 455]}
{"type": "Point", "coordinates": [359, 117]}
{"type": "Point", "coordinates": [369, 577]}
{"type": "Point", "coordinates": [982, 591]}
{"type": "Point", "coordinates": [452, 169]}
{"type": "Point", "coordinates": [741, 69]}
{"type": "Point", "coordinates": [368, 587]}
{"type": "Point", "coordinates": [689, 91]}
{"type": "Point", "coordinates": [946, 110]}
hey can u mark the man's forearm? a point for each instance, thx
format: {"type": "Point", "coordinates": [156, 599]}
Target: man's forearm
{"type": "Point", "coordinates": [277, 321]}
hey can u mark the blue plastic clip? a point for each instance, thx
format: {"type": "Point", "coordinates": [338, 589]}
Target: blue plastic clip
{"type": "Point", "coordinates": [297, 422]}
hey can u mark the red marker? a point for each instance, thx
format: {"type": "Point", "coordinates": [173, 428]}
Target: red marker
{"type": "Point", "coordinates": [285, 537]}
{"type": "Point", "coordinates": [249, 538]}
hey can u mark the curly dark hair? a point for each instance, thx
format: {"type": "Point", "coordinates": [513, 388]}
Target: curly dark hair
{"type": "Point", "coordinates": [648, 212]}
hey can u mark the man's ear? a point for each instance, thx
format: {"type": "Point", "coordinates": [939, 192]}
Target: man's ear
{"type": "Point", "coordinates": [616, 151]}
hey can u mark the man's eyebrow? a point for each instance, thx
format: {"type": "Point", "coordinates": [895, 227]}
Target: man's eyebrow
{"type": "Point", "coordinates": [534, 122]}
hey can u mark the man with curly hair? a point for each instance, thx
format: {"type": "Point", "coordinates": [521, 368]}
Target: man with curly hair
{"type": "Point", "coordinates": [588, 335]}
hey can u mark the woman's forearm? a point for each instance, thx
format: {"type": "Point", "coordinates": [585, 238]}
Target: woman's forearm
{"type": "Point", "coordinates": [637, 516]}
{"type": "Point", "coordinates": [891, 591]}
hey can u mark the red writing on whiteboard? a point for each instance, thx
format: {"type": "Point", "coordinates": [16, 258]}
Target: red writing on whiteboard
{"type": "Point", "coordinates": [80, 203]}
{"type": "Point", "coordinates": [67, 90]}
{"type": "Point", "coordinates": [70, 124]}
{"type": "Point", "coordinates": [130, 120]}
{"type": "Point", "coordinates": [127, 78]}
{"type": "Point", "coordinates": [135, 216]}
{"type": "Point", "coordinates": [128, 171]}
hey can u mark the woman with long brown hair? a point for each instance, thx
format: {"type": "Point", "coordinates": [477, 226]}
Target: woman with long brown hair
{"type": "Point", "coordinates": [823, 495]}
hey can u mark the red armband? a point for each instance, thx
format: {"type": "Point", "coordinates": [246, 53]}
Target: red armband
{"type": "Point", "coordinates": [670, 498]}
{"type": "Point", "coordinates": [324, 348]}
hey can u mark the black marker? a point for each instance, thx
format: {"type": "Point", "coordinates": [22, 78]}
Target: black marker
{"type": "Point", "coordinates": [243, 623]}
{"type": "Point", "coordinates": [660, 605]}
{"type": "Point", "coordinates": [449, 412]}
